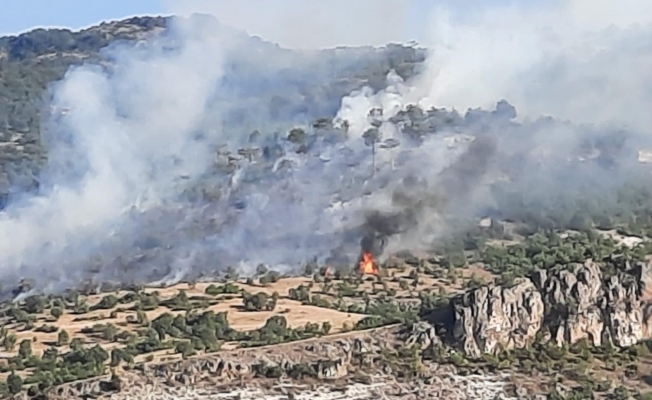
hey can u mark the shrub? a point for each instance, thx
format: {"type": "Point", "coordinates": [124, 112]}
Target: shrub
{"type": "Point", "coordinates": [46, 329]}
{"type": "Point", "coordinates": [63, 338]}
{"type": "Point", "coordinates": [9, 341]}
{"type": "Point", "coordinates": [184, 348]}
{"type": "Point", "coordinates": [258, 302]}
{"type": "Point", "coordinates": [14, 383]}
{"type": "Point", "coordinates": [25, 349]}
{"type": "Point", "coordinates": [56, 312]}
{"type": "Point", "coordinates": [105, 303]}
{"type": "Point", "coordinates": [228, 288]}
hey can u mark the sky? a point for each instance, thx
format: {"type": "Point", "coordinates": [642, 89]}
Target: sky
{"type": "Point", "coordinates": [21, 15]}
{"type": "Point", "coordinates": [333, 22]}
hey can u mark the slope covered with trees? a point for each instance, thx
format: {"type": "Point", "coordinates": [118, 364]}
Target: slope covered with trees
{"type": "Point", "coordinates": [31, 62]}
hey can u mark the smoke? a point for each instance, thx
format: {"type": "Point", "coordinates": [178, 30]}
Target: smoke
{"type": "Point", "coordinates": [169, 161]}
{"type": "Point", "coordinates": [587, 62]}
{"type": "Point", "coordinates": [121, 140]}
{"type": "Point", "coordinates": [202, 149]}
{"type": "Point", "coordinates": [322, 24]}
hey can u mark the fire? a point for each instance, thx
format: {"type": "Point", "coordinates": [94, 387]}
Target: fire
{"type": "Point", "coordinates": [367, 265]}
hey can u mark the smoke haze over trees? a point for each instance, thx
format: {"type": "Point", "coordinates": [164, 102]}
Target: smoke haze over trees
{"type": "Point", "coordinates": [167, 149]}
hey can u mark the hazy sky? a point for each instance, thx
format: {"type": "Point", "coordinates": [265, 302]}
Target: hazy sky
{"type": "Point", "coordinates": [331, 22]}
{"type": "Point", "coordinates": [21, 15]}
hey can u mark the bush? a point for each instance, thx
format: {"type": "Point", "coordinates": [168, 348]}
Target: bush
{"type": "Point", "coordinates": [81, 307]}
{"type": "Point", "coordinates": [63, 338]}
{"type": "Point", "coordinates": [258, 302]}
{"type": "Point", "coordinates": [46, 329]}
{"type": "Point", "coordinates": [106, 303]}
{"type": "Point", "coordinates": [118, 355]}
{"type": "Point", "coordinates": [56, 312]}
{"type": "Point", "coordinates": [148, 302]}
{"type": "Point", "coordinates": [35, 304]}
{"type": "Point", "coordinates": [270, 277]}
{"type": "Point", "coordinates": [184, 348]}
{"type": "Point", "coordinates": [326, 328]}
{"type": "Point", "coordinates": [76, 344]}
{"type": "Point", "coordinates": [228, 288]}
{"type": "Point", "coordinates": [25, 349]}
{"type": "Point", "coordinates": [14, 383]}
{"type": "Point", "coordinates": [301, 293]}
{"type": "Point", "coordinates": [9, 341]}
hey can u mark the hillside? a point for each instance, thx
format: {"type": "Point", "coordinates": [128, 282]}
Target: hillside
{"type": "Point", "coordinates": [435, 306]}
{"type": "Point", "coordinates": [158, 224]}
{"type": "Point", "coordinates": [31, 62]}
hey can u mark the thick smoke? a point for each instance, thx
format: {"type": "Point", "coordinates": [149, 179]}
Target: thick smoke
{"type": "Point", "coordinates": [174, 161]}
{"type": "Point", "coordinates": [578, 62]}
{"type": "Point", "coordinates": [169, 160]}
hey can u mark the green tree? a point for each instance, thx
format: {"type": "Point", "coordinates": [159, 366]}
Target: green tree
{"type": "Point", "coordinates": [35, 304]}
{"type": "Point", "coordinates": [326, 327]}
{"type": "Point", "coordinates": [184, 348]}
{"type": "Point", "coordinates": [261, 269]}
{"type": "Point", "coordinates": [9, 341]}
{"type": "Point", "coordinates": [63, 338]}
{"type": "Point", "coordinates": [106, 303]}
{"type": "Point", "coordinates": [56, 312]}
{"type": "Point", "coordinates": [76, 344]}
{"type": "Point", "coordinates": [118, 355]}
{"type": "Point", "coordinates": [141, 318]}
{"type": "Point", "coordinates": [109, 332]}
{"type": "Point", "coordinates": [14, 383]}
{"type": "Point", "coordinates": [255, 302]}
{"type": "Point", "coordinates": [25, 349]}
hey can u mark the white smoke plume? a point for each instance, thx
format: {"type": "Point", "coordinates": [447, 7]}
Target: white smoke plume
{"type": "Point", "coordinates": [298, 24]}
{"type": "Point", "coordinates": [139, 186]}
{"type": "Point", "coordinates": [577, 61]}
{"type": "Point", "coordinates": [125, 137]}
{"type": "Point", "coordinates": [587, 62]}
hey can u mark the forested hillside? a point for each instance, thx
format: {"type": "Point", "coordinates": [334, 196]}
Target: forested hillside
{"type": "Point", "coordinates": [31, 62]}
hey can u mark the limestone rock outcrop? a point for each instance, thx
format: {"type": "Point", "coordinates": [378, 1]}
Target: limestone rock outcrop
{"type": "Point", "coordinates": [565, 306]}
{"type": "Point", "coordinates": [423, 334]}
{"type": "Point", "coordinates": [492, 318]}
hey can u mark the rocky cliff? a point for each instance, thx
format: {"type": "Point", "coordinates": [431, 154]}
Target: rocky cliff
{"type": "Point", "coordinates": [564, 306]}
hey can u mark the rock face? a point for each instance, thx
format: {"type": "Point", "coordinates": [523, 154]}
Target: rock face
{"type": "Point", "coordinates": [492, 318]}
{"type": "Point", "coordinates": [564, 306]}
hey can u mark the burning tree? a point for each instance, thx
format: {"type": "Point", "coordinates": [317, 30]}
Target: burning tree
{"type": "Point", "coordinates": [370, 244]}
{"type": "Point", "coordinates": [367, 266]}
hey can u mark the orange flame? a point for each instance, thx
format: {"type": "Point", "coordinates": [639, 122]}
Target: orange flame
{"type": "Point", "coordinates": [367, 265]}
